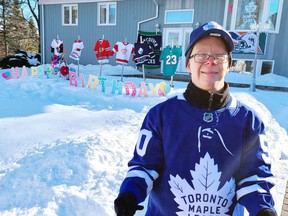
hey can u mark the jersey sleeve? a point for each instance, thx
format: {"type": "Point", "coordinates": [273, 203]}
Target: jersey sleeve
{"type": "Point", "coordinates": [53, 44]}
{"type": "Point", "coordinates": [81, 46]}
{"type": "Point", "coordinates": [147, 161]}
{"type": "Point", "coordinates": [255, 177]}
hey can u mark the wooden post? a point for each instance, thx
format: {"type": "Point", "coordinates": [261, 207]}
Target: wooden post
{"type": "Point", "coordinates": [78, 67]}
{"type": "Point", "coordinates": [100, 68]}
{"type": "Point", "coordinates": [143, 70]}
{"type": "Point", "coordinates": [171, 82]}
{"type": "Point", "coordinates": [122, 72]}
{"type": "Point", "coordinates": [284, 211]}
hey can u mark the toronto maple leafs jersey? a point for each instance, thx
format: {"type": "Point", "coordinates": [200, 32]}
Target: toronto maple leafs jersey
{"type": "Point", "coordinates": [193, 161]}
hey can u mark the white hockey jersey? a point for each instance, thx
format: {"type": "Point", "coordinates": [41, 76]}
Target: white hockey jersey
{"type": "Point", "coordinates": [76, 50]}
{"type": "Point", "coordinates": [57, 46]}
{"type": "Point", "coordinates": [123, 52]}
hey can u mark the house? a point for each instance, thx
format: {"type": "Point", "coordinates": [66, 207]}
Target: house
{"type": "Point", "coordinates": [120, 20]}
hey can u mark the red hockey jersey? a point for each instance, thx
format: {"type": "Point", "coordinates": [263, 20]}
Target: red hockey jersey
{"type": "Point", "coordinates": [102, 49]}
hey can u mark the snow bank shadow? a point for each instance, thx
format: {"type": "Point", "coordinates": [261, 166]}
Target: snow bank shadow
{"type": "Point", "coordinates": [32, 183]}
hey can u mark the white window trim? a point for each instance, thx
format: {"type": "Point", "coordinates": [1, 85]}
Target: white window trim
{"type": "Point", "coordinates": [166, 11]}
{"type": "Point", "coordinates": [70, 14]}
{"type": "Point", "coordinates": [259, 65]}
{"type": "Point", "coordinates": [107, 18]}
{"type": "Point", "coordinates": [265, 12]}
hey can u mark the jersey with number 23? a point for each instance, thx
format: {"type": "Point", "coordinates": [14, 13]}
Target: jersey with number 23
{"type": "Point", "coordinates": [170, 57]}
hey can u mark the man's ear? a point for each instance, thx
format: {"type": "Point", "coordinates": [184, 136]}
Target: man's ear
{"type": "Point", "coordinates": [230, 61]}
{"type": "Point", "coordinates": [188, 68]}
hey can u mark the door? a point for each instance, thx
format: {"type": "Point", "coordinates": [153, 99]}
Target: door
{"type": "Point", "coordinates": [178, 36]}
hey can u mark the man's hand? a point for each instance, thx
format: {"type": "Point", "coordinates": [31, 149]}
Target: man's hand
{"type": "Point", "coordinates": [126, 205]}
{"type": "Point", "coordinates": [267, 212]}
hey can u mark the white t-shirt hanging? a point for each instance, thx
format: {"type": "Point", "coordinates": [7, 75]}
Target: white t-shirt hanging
{"type": "Point", "coordinates": [123, 52]}
{"type": "Point", "coordinates": [76, 49]}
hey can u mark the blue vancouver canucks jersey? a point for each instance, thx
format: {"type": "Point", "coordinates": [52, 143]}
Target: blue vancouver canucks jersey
{"type": "Point", "coordinates": [193, 161]}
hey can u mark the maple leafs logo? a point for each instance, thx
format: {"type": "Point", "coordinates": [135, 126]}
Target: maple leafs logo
{"type": "Point", "coordinates": [205, 197]}
{"type": "Point", "coordinates": [211, 25]}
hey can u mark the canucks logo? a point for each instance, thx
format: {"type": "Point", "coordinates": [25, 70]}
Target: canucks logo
{"type": "Point", "coordinates": [204, 197]}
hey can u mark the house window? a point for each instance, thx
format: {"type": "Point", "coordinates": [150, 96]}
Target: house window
{"type": "Point", "coordinates": [266, 67]}
{"type": "Point", "coordinates": [259, 10]}
{"type": "Point", "coordinates": [179, 16]}
{"type": "Point", "coordinates": [70, 14]}
{"type": "Point", "coordinates": [107, 13]}
{"type": "Point", "coordinates": [246, 66]}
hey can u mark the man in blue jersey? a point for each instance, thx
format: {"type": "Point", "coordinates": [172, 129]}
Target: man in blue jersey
{"type": "Point", "coordinates": [201, 152]}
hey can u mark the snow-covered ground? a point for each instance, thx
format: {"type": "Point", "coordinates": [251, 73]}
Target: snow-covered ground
{"type": "Point", "coordinates": [64, 149]}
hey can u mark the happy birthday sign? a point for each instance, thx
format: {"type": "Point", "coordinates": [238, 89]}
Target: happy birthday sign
{"type": "Point", "coordinates": [160, 89]}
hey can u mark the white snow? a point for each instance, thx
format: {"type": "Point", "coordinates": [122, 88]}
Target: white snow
{"type": "Point", "coordinates": [64, 149]}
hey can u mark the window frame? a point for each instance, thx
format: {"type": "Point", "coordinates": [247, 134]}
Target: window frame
{"type": "Point", "coordinates": [70, 6]}
{"type": "Point", "coordinates": [179, 11]}
{"type": "Point", "coordinates": [107, 5]}
{"type": "Point", "coordinates": [262, 17]}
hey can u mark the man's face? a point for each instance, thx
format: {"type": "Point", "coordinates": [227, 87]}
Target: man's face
{"type": "Point", "coordinates": [210, 74]}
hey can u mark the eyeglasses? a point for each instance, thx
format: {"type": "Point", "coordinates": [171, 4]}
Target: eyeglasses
{"type": "Point", "coordinates": [202, 58]}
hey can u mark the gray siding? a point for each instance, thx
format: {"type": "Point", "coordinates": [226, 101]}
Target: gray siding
{"type": "Point", "coordinates": [178, 4]}
{"type": "Point", "coordinates": [215, 11]}
{"type": "Point", "coordinates": [130, 12]}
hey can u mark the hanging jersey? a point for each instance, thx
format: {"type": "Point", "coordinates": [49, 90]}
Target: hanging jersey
{"type": "Point", "coordinates": [56, 47]}
{"type": "Point", "coordinates": [142, 52]}
{"type": "Point", "coordinates": [154, 39]}
{"type": "Point", "coordinates": [123, 52]}
{"type": "Point", "coordinates": [76, 49]}
{"type": "Point", "coordinates": [102, 49]}
{"type": "Point", "coordinates": [170, 57]}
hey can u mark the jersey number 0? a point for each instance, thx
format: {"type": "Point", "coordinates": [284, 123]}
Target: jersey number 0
{"type": "Point", "coordinates": [142, 142]}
